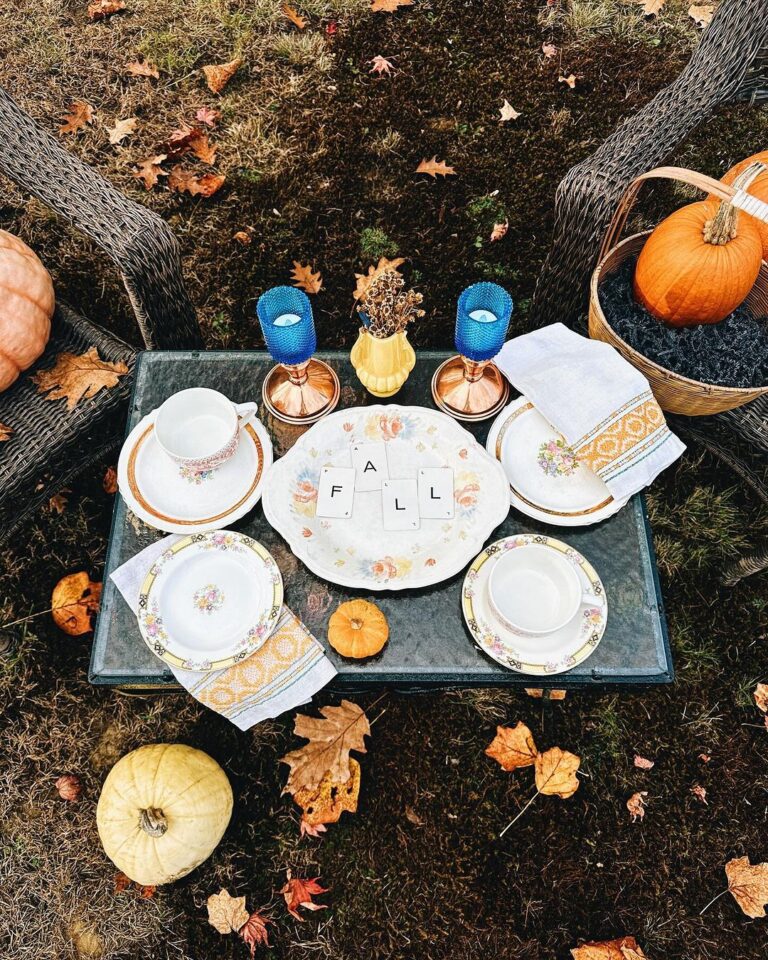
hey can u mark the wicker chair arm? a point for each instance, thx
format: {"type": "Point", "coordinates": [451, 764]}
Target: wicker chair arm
{"type": "Point", "coordinates": [724, 67]}
{"type": "Point", "coordinates": [139, 241]}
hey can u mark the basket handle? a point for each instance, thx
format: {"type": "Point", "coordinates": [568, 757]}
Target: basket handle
{"type": "Point", "coordinates": [739, 198]}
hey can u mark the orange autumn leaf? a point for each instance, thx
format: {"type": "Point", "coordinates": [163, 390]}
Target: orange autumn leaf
{"type": "Point", "coordinates": [109, 483]}
{"type": "Point", "coordinates": [642, 763]}
{"type": "Point", "coordinates": [702, 13]}
{"type": "Point", "coordinates": [513, 747]}
{"type": "Point", "coordinates": [294, 16]}
{"type": "Point", "coordinates": [69, 787]}
{"type": "Point", "coordinates": [303, 277]}
{"type": "Point", "coordinates": [243, 237]}
{"type": "Point", "coordinates": [761, 697]}
{"type": "Point", "coordinates": [434, 167]}
{"type": "Point", "coordinates": [80, 114]}
{"type": "Point", "coordinates": [73, 601]}
{"type": "Point", "coordinates": [180, 141]}
{"type": "Point", "coordinates": [636, 805]}
{"type": "Point", "coordinates": [226, 913]}
{"type": "Point", "coordinates": [326, 802]}
{"type": "Point", "coordinates": [76, 377]}
{"type": "Point", "coordinates": [207, 116]}
{"type": "Point", "coordinates": [748, 882]}
{"type": "Point", "coordinates": [186, 181]}
{"type": "Point", "coordinates": [149, 171]}
{"type": "Point", "coordinates": [254, 932]}
{"type": "Point", "coordinates": [6, 432]}
{"type": "Point", "coordinates": [121, 882]}
{"type": "Point", "coordinates": [623, 948]}
{"type": "Point", "coordinates": [204, 150]}
{"type": "Point", "coordinates": [570, 80]}
{"type": "Point", "coordinates": [498, 233]}
{"type": "Point", "coordinates": [389, 6]}
{"type": "Point", "coordinates": [136, 68]}
{"type": "Point", "coordinates": [101, 9]}
{"type": "Point", "coordinates": [298, 893]}
{"type": "Point", "coordinates": [122, 129]}
{"type": "Point", "coordinates": [218, 75]}
{"type": "Point", "coordinates": [58, 502]}
{"type": "Point", "coordinates": [365, 280]}
{"type": "Point", "coordinates": [381, 65]}
{"type": "Point", "coordinates": [555, 773]}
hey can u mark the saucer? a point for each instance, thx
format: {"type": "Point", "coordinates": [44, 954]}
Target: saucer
{"type": "Point", "coordinates": [544, 655]}
{"type": "Point", "coordinates": [175, 499]}
{"type": "Point", "coordinates": [546, 480]}
{"type": "Point", "coordinates": [210, 600]}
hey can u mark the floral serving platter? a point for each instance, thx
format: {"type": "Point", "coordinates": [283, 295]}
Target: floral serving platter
{"type": "Point", "coordinates": [358, 552]}
{"type": "Point", "coordinates": [210, 600]}
{"type": "Point", "coordinates": [546, 655]}
{"type": "Point", "coordinates": [170, 497]}
{"type": "Point", "coordinates": [546, 480]}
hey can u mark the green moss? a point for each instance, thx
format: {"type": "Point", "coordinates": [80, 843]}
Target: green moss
{"type": "Point", "coordinates": [374, 243]}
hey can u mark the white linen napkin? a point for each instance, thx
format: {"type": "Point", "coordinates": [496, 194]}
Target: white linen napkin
{"type": "Point", "coordinates": [287, 671]}
{"type": "Point", "coordinates": [601, 404]}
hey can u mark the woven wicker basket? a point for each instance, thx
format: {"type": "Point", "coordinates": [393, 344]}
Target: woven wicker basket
{"type": "Point", "coordinates": [675, 393]}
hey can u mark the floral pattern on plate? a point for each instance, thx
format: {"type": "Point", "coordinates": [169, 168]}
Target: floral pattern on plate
{"type": "Point", "coordinates": [208, 599]}
{"type": "Point", "coordinates": [557, 459]}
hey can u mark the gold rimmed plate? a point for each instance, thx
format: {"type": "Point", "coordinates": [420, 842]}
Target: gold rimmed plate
{"type": "Point", "coordinates": [173, 498]}
{"type": "Point", "coordinates": [546, 480]}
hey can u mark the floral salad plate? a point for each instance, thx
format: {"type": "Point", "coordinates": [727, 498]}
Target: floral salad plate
{"type": "Point", "coordinates": [544, 655]}
{"type": "Point", "coordinates": [210, 600]}
{"type": "Point", "coordinates": [176, 499]}
{"type": "Point", "coordinates": [546, 480]}
{"type": "Point", "coordinates": [358, 552]}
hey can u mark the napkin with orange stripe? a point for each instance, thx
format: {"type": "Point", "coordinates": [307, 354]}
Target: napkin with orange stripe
{"type": "Point", "coordinates": [601, 404]}
{"type": "Point", "coordinates": [287, 671]}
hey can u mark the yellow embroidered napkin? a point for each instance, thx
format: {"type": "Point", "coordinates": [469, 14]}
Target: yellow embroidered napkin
{"type": "Point", "coordinates": [286, 672]}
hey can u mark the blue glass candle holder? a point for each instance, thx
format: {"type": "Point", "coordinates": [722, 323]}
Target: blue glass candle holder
{"type": "Point", "coordinates": [470, 386]}
{"type": "Point", "coordinates": [300, 389]}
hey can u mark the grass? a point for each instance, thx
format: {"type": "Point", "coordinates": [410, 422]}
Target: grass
{"type": "Point", "coordinates": [375, 243]}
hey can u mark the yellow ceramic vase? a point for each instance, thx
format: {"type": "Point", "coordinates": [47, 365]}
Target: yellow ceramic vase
{"type": "Point", "coordinates": [382, 366]}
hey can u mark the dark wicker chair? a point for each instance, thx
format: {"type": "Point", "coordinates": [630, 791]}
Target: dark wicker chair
{"type": "Point", "coordinates": [729, 65]}
{"type": "Point", "coordinates": [51, 444]}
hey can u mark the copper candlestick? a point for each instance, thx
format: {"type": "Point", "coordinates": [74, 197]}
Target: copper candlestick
{"type": "Point", "coordinates": [469, 389]}
{"type": "Point", "coordinates": [301, 392]}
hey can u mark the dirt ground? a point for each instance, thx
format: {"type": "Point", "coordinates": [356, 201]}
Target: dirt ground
{"type": "Point", "coordinates": [319, 156]}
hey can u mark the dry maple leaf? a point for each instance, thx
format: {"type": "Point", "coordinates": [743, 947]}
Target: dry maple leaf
{"type": "Point", "coordinates": [69, 787]}
{"type": "Point", "coordinates": [74, 599]}
{"type": "Point", "coordinates": [699, 792]}
{"type": "Point", "coordinates": [181, 141]}
{"type": "Point", "coordinates": [341, 729]}
{"type": "Point", "coordinates": [636, 805]}
{"type": "Point", "coordinates": [5, 432]}
{"type": "Point", "coordinates": [254, 931]}
{"type": "Point", "coordinates": [761, 697]}
{"type": "Point", "coordinates": [80, 113]}
{"type": "Point", "coordinates": [78, 376]}
{"type": "Point", "coordinates": [218, 75]}
{"type": "Point", "coordinates": [381, 65]}
{"type": "Point", "coordinates": [570, 80]}
{"type": "Point", "coordinates": [556, 773]}
{"type": "Point", "coordinates": [298, 893]}
{"type": "Point", "coordinates": [294, 16]}
{"type": "Point", "coordinates": [498, 233]}
{"type": "Point", "coordinates": [513, 747]}
{"type": "Point", "coordinates": [549, 50]}
{"type": "Point", "coordinates": [507, 112]}
{"type": "Point", "coordinates": [434, 167]}
{"type": "Point", "coordinates": [623, 948]}
{"type": "Point", "coordinates": [226, 913]}
{"type": "Point", "coordinates": [122, 129]}
{"type": "Point", "coordinates": [149, 170]}
{"type": "Point", "coordinates": [642, 763]}
{"type": "Point", "coordinates": [102, 9]}
{"type": "Point", "coordinates": [303, 277]}
{"type": "Point", "coordinates": [109, 483]}
{"type": "Point", "coordinates": [365, 280]}
{"type": "Point", "coordinates": [203, 150]}
{"type": "Point", "coordinates": [651, 7]}
{"type": "Point", "coordinates": [186, 181]}
{"type": "Point", "coordinates": [749, 885]}
{"type": "Point", "coordinates": [137, 68]}
{"type": "Point", "coordinates": [702, 13]}
{"type": "Point", "coordinates": [326, 802]}
{"type": "Point", "coordinates": [207, 116]}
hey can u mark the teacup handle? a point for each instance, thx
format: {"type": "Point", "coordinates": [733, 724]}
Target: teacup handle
{"type": "Point", "coordinates": [245, 412]}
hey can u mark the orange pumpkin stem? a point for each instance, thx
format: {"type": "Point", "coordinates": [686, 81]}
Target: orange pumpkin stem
{"type": "Point", "coordinates": [723, 227]}
{"type": "Point", "coordinates": [356, 623]}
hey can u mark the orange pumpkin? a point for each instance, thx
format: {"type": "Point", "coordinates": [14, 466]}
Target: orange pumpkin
{"type": "Point", "coordinates": [700, 263]}
{"type": "Point", "coordinates": [758, 188]}
{"type": "Point", "coordinates": [358, 629]}
{"type": "Point", "coordinates": [26, 308]}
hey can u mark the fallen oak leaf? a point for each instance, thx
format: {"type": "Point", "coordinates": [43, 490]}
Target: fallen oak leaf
{"type": "Point", "coordinates": [226, 914]}
{"type": "Point", "coordinates": [381, 65]}
{"type": "Point", "coordinates": [149, 170]}
{"type": "Point", "coordinates": [76, 377]}
{"type": "Point", "coordinates": [58, 502]}
{"type": "Point", "coordinates": [180, 141]}
{"type": "Point", "coordinates": [218, 75]}
{"type": "Point", "coordinates": [513, 747]}
{"type": "Point", "coordinates": [636, 805]}
{"type": "Point", "coordinates": [80, 114]}
{"type": "Point", "coordinates": [254, 931]}
{"type": "Point", "coordinates": [294, 16]}
{"type": "Point", "coordinates": [303, 277]}
{"type": "Point", "coordinates": [702, 13]}
{"type": "Point", "coordinates": [73, 601]}
{"type": "Point", "coordinates": [642, 763]}
{"type": "Point", "coordinates": [326, 802]}
{"type": "Point", "coordinates": [69, 787]}
{"type": "Point", "coordinates": [122, 129]}
{"type": "Point", "coordinates": [330, 740]}
{"type": "Point", "coordinates": [507, 112]}
{"type": "Point", "coordinates": [207, 116]}
{"type": "Point", "coordinates": [570, 80]}
{"type": "Point", "coordinates": [203, 150]}
{"type": "Point", "coordinates": [555, 773]}
{"type": "Point", "coordinates": [498, 233]}
{"type": "Point", "coordinates": [185, 181]}
{"type": "Point", "coordinates": [109, 483]}
{"type": "Point", "coordinates": [138, 68]}
{"type": "Point", "coordinates": [434, 167]}
{"type": "Point", "coordinates": [123, 882]}
{"type": "Point", "coordinates": [6, 432]}
{"type": "Point", "coordinates": [364, 281]}
{"type": "Point", "coordinates": [102, 9]}
{"type": "Point", "coordinates": [298, 893]}
{"type": "Point", "coordinates": [761, 697]}
{"type": "Point", "coordinates": [623, 948]}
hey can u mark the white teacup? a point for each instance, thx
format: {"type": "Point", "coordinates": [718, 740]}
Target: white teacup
{"type": "Point", "coordinates": [534, 590]}
{"type": "Point", "coordinates": [200, 428]}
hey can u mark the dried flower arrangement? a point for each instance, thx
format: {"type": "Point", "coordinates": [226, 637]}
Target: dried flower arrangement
{"type": "Point", "coordinates": [387, 308]}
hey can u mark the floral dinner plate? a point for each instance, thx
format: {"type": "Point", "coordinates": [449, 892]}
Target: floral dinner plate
{"type": "Point", "coordinates": [546, 655]}
{"type": "Point", "coordinates": [358, 552]}
{"type": "Point", "coordinates": [210, 600]}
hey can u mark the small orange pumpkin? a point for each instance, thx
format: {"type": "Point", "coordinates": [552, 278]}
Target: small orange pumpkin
{"type": "Point", "coordinates": [700, 263]}
{"type": "Point", "coordinates": [758, 188]}
{"type": "Point", "coordinates": [26, 308]}
{"type": "Point", "coordinates": [358, 629]}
